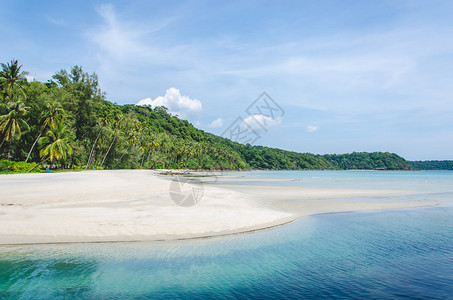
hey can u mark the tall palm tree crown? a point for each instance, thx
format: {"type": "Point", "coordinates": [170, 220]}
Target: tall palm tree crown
{"type": "Point", "coordinates": [52, 115]}
{"type": "Point", "coordinates": [12, 124]}
{"type": "Point", "coordinates": [11, 77]}
{"type": "Point", "coordinates": [56, 143]}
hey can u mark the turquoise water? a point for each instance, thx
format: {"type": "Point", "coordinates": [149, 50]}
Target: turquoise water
{"type": "Point", "coordinates": [400, 254]}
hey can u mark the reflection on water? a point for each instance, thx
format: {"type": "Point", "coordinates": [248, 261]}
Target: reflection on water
{"type": "Point", "coordinates": [390, 254]}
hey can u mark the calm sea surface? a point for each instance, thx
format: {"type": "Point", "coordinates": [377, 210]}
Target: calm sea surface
{"type": "Point", "coordinates": [399, 254]}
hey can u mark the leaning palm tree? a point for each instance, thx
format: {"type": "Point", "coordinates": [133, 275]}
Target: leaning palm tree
{"type": "Point", "coordinates": [52, 115]}
{"type": "Point", "coordinates": [55, 145]}
{"type": "Point", "coordinates": [12, 78]}
{"type": "Point", "coordinates": [12, 125]}
{"type": "Point", "coordinates": [103, 123]}
{"type": "Point", "coordinates": [152, 145]}
{"type": "Point", "coordinates": [115, 135]}
{"type": "Point", "coordinates": [132, 139]}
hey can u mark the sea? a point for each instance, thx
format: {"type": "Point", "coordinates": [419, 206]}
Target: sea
{"type": "Point", "coordinates": [391, 254]}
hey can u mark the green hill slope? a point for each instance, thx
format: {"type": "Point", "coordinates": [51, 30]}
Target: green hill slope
{"type": "Point", "coordinates": [67, 122]}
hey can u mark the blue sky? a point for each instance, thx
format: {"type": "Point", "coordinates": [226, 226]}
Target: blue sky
{"type": "Point", "coordinates": [350, 75]}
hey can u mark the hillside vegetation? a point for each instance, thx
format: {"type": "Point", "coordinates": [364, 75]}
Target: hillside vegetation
{"type": "Point", "coordinates": [432, 165]}
{"type": "Point", "coordinates": [66, 122]}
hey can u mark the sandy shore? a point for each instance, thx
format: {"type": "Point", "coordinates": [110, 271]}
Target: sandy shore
{"type": "Point", "coordinates": [99, 206]}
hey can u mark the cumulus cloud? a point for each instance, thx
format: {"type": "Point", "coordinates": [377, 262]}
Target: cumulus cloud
{"type": "Point", "coordinates": [311, 128]}
{"type": "Point", "coordinates": [259, 121]}
{"type": "Point", "coordinates": [178, 104]}
{"type": "Point", "coordinates": [216, 123]}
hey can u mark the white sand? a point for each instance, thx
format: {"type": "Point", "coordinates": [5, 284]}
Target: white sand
{"type": "Point", "coordinates": [96, 206]}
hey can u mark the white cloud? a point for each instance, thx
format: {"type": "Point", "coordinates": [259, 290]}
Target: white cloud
{"type": "Point", "coordinates": [258, 121]}
{"type": "Point", "coordinates": [216, 123]}
{"type": "Point", "coordinates": [311, 128]}
{"type": "Point", "coordinates": [130, 41]}
{"type": "Point", "coordinates": [30, 78]}
{"type": "Point", "coordinates": [114, 38]}
{"type": "Point", "coordinates": [183, 106]}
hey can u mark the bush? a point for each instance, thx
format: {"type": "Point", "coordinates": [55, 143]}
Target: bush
{"type": "Point", "coordinates": [7, 166]}
{"type": "Point", "coordinates": [3, 165]}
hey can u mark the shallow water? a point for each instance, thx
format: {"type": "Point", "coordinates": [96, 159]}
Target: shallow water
{"type": "Point", "coordinates": [380, 255]}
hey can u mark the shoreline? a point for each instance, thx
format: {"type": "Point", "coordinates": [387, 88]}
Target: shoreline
{"type": "Point", "coordinates": [215, 235]}
{"type": "Point", "coordinates": [175, 172]}
{"type": "Point", "coordinates": [135, 206]}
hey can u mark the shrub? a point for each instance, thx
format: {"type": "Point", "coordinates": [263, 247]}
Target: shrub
{"type": "Point", "coordinates": [7, 166]}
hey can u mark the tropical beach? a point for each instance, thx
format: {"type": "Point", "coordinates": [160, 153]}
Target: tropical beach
{"type": "Point", "coordinates": [226, 150]}
{"type": "Point", "coordinates": [108, 234]}
{"type": "Point", "coordinates": [137, 205]}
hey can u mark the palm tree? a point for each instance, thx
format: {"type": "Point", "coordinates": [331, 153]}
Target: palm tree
{"type": "Point", "coordinates": [146, 145]}
{"type": "Point", "coordinates": [55, 145]}
{"type": "Point", "coordinates": [132, 140]}
{"type": "Point", "coordinates": [90, 157]}
{"type": "Point", "coordinates": [152, 145]}
{"type": "Point", "coordinates": [52, 115]}
{"type": "Point", "coordinates": [115, 135]}
{"type": "Point", "coordinates": [12, 124]}
{"type": "Point", "coordinates": [11, 77]}
{"type": "Point", "coordinates": [134, 137]}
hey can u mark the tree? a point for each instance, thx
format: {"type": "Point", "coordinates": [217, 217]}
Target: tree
{"type": "Point", "coordinates": [115, 135]}
{"type": "Point", "coordinates": [152, 145]}
{"type": "Point", "coordinates": [12, 78]}
{"type": "Point", "coordinates": [133, 136]}
{"type": "Point", "coordinates": [55, 145]}
{"type": "Point", "coordinates": [132, 140]}
{"type": "Point", "coordinates": [12, 124]}
{"type": "Point", "coordinates": [91, 156]}
{"type": "Point", "coordinates": [51, 116]}
{"type": "Point", "coordinates": [85, 101]}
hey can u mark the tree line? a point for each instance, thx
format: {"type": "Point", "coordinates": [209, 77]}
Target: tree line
{"type": "Point", "coordinates": [67, 122]}
{"type": "Point", "coordinates": [432, 165]}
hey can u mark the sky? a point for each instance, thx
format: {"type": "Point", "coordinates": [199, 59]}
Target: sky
{"type": "Point", "coordinates": [345, 75]}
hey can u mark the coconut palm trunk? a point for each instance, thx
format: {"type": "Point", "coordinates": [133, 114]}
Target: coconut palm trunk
{"type": "Point", "coordinates": [97, 161]}
{"type": "Point", "coordinates": [108, 150]}
{"type": "Point", "coordinates": [127, 150]}
{"type": "Point", "coordinates": [39, 164]}
{"type": "Point", "coordinates": [143, 158]}
{"type": "Point", "coordinates": [149, 153]}
{"type": "Point", "coordinates": [92, 149]}
{"type": "Point", "coordinates": [33, 146]}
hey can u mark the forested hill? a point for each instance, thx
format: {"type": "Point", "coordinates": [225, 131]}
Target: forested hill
{"type": "Point", "coordinates": [67, 122]}
{"type": "Point", "coordinates": [432, 165]}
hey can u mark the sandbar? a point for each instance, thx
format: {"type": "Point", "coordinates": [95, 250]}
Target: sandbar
{"type": "Point", "coordinates": [140, 205]}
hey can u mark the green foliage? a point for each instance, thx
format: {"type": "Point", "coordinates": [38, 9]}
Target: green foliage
{"type": "Point", "coordinates": [12, 79]}
{"type": "Point", "coordinates": [56, 143]}
{"type": "Point", "coordinates": [432, 165]}
{"type": "Point", "coordinates": [7, 166]}
{"type": "Point", "coordinates": [12, 124]}
{"type": "Point", "coordinates": [77, 128]}
{"type": "Point", "coordinates": [364, 160]}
